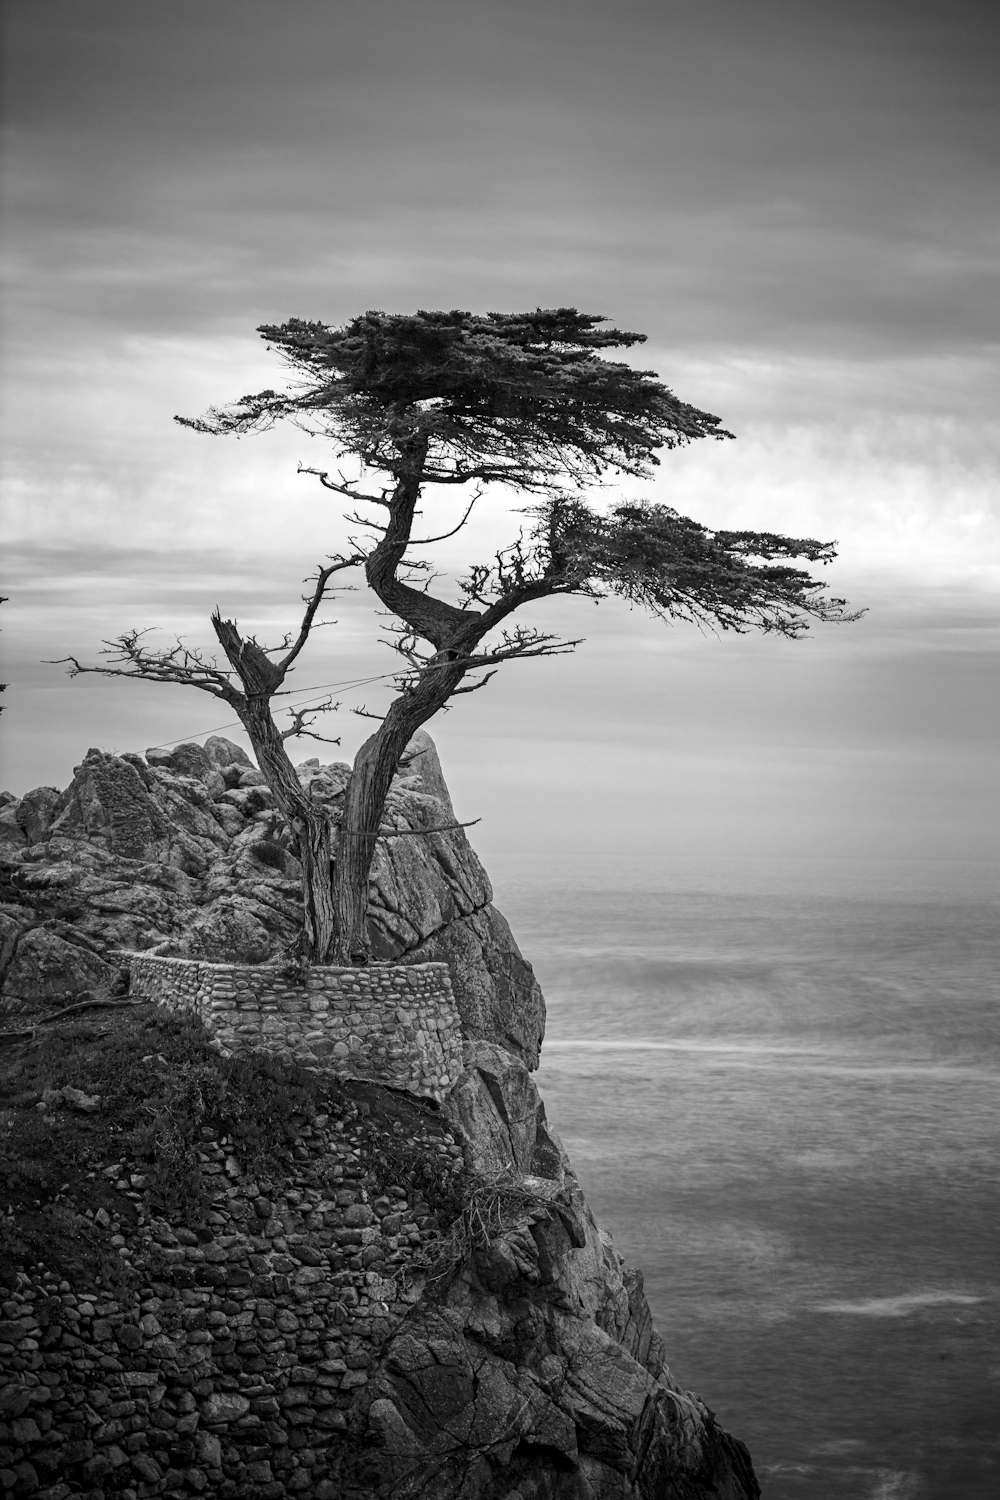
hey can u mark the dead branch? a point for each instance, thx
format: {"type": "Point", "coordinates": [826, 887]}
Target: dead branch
{"type": "Point", "coordinates": [323, 576]}
{"type": "Point", "coordinates": [487, 473]}
{"type": "Point", "coordinates": [9, 1038]}
{"type": "Point", "coordinates": [474, 686]}
{"type": "Point", "coordinates": [425, 541]}
{"type": "Point", "coordinates": [522, 644]}
{"type": "Point", "coordinates": [182, 664]}
{"type": "Point", "coordinates": [344, 488]}
{"type": "Point", "coordinates": [355, 520]}
{"type": "Point", "coordinates": [303, 717]}
{"type": "Point", "coordinates": [407, 644]}
{"type": "Point", "coordinates": [95, 1004]}
{"type": "Point", "coordinates": [407, 833]}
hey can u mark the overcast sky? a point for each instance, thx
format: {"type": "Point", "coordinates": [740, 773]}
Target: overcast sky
{"type": "Point", "coordinates": [799, 205]}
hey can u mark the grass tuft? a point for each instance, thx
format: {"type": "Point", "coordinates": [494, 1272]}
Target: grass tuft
{"type": "Point", "coordinates": [161, 1085]}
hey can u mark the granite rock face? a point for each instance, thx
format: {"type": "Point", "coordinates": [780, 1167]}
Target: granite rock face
{"type": "Point", "coordinates": [182, 852]}
{"type": "Point", "coordinates": [498, 994]}
{"type": "Point", "coordinates": [503, 1354]}
{"type": "Point", "coordinates": [43, 963]}
{"type": "Point", "coordinates": [537, 1374]}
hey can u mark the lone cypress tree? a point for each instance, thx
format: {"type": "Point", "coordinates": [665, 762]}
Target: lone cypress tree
{"type": "Point", "coordinates": [522, 400]}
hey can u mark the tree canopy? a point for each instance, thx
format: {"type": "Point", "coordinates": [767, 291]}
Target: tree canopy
{"type": "Point", "coordinates": [522, 400]}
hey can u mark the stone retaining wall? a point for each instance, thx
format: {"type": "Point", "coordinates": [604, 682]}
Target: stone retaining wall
{"type": "Point", "coordinates": [228, 1366]}
{"type": "Point", "coordinates": [392, 1023]}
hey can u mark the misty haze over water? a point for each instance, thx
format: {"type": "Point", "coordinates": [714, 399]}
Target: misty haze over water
{"type": "Point", "coordinates": [777, 1082]}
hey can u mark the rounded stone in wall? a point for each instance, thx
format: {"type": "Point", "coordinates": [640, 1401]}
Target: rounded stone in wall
{"type": "Point", "coordinates": [384, 1025]}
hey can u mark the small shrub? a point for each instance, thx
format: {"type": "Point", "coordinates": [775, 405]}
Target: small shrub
{"type": "Point", "coordinates": [267, 852]}
{"type": "Point", "coordinates": [392, 1154]}
{"type": "Point", "coordinates": [490, 1207]}
{"type": "Point", "coordinates": [160, 1083]}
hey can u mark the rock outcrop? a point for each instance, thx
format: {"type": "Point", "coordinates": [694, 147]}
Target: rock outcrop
{"type": "Point", "coordinates": [182, 853]}
{"type": "Point", "coordinates": [423, 1305]}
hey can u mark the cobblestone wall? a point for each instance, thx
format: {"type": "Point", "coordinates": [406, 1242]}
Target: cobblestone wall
{"type": "Point", "coordinates": [229, 1365]}
{"type": "Point", "coordinates": [395, 1024]}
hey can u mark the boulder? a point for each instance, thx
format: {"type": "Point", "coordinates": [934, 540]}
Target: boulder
{"type": "Point", "coordinates": [108, 803]}
{"type": "Point", "coordinates": [421, 881]}
{"type": "Point", "coordinates": [247, 800]}
{"type": "Point", "coordinates": [421, 759]}
{"type": "Point", "coordinates": [496, 992]}
{"type": "Point", "coordinates": [486, 1397]}
{"type": "Point", "coordinates": [13, 922]}
{"type": "Point", "coordinates": [230, 930]}
{"type": "Point", "coordinates": [501, 1116]}
{"type": "Point", "coordinates": [11, 832]}
{"type": "Point", "coordinates": [45, 968]}
{"type": "Point", "coordinates": [35, 811]}
{"type": "Point", "coordinates": [190, 759]}
{"type": "Point", "coordinates": [225, 1406]}
{"type": "Point", "coordinates": [222, 752]}
{"type": "Point", "coordinates": [187, 805]}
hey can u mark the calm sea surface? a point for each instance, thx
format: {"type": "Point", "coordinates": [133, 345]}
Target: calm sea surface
{"type": "Point", "coordinates": [778, 1084]}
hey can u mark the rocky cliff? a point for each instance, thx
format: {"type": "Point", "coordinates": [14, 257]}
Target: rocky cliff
{"type": "Point", "coordinates": [228, 1278]}
{"type": "Point", "coordinates": [181, 852]}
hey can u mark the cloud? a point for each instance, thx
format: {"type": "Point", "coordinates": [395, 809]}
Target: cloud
{"type": "Point", "coordinates": [796, 205]}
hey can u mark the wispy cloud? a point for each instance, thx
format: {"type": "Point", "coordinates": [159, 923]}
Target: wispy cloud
{"type": "Point", "coordinates": [798, 206]}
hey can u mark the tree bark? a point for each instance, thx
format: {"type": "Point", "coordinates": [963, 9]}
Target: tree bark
{"type": "Point", "coordinates": [309, 824]}
{"type": "Point", "coordinates": [374, 767]}
{"type": "Point", "coordinates": [452, 631]}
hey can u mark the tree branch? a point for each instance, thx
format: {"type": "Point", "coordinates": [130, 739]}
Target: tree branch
{"type": "Point", "coordinates": [303, 717]}
{"type": "Point", "coordinates": [345, 488]}
{"type": "Point", "coordinates": [522, 645]}
{"type": "Point", "coordinates": [355, 520]}
{"type": "Point", "coordinates": [425, 541]}
{"type": "Point", "coordinates": [180, 665]}
{"type": "Point", "coordinates": [323, 576]}
{"type": "Point", "coordinates": [407, 833]}
{"type": "Point", "coordinates": [474, 686]}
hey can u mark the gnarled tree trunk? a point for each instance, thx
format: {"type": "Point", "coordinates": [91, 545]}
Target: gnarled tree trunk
{"type": "Point", "coordinates": [374, 767]}
{"type": "Point", "coordinates": [309, 823]}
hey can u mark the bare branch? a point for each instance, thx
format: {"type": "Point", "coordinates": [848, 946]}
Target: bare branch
{"type": "Point", "coordinates": [303, 717]}
{"type": "Point", "coordinates": [355, 520]}
{"type": "Point", "coordinates": [309, 734]}
{"type": "Point", "coordinates": [474, 687]}
{"type": "Point", "coordinates": [323, 576]}
{"type": "Point", "coordinates": [486, 473]}
{"type": "Point", "coordinates": [96, 1004]}
{"type": "Point", "coordinates": [282, 645]}
{"type": "Point", "coordinates": [363, 713]}
{"type": "Point", "coordinates": [557, 648]}
{"type": "Point", "coordinates": [344, 488]}
{"type": "Point", "coordinates": [425, 541]}
{"type": "Point", "coordinates": [182, 665]}
{"type": "Point", "coordinates": [407, 833]}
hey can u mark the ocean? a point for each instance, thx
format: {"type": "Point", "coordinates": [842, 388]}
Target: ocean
{"type": "Point", "coordinates": [778, 1084]}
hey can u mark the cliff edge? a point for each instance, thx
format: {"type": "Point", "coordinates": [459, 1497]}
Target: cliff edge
{"type": "Point", "coordinates": [225, 1275]}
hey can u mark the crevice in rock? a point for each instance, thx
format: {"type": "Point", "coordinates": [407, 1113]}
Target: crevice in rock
{"type": "Point", "coordinates": [443, 927]}
{"type": "Point", "coordinates": [8, 951]}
